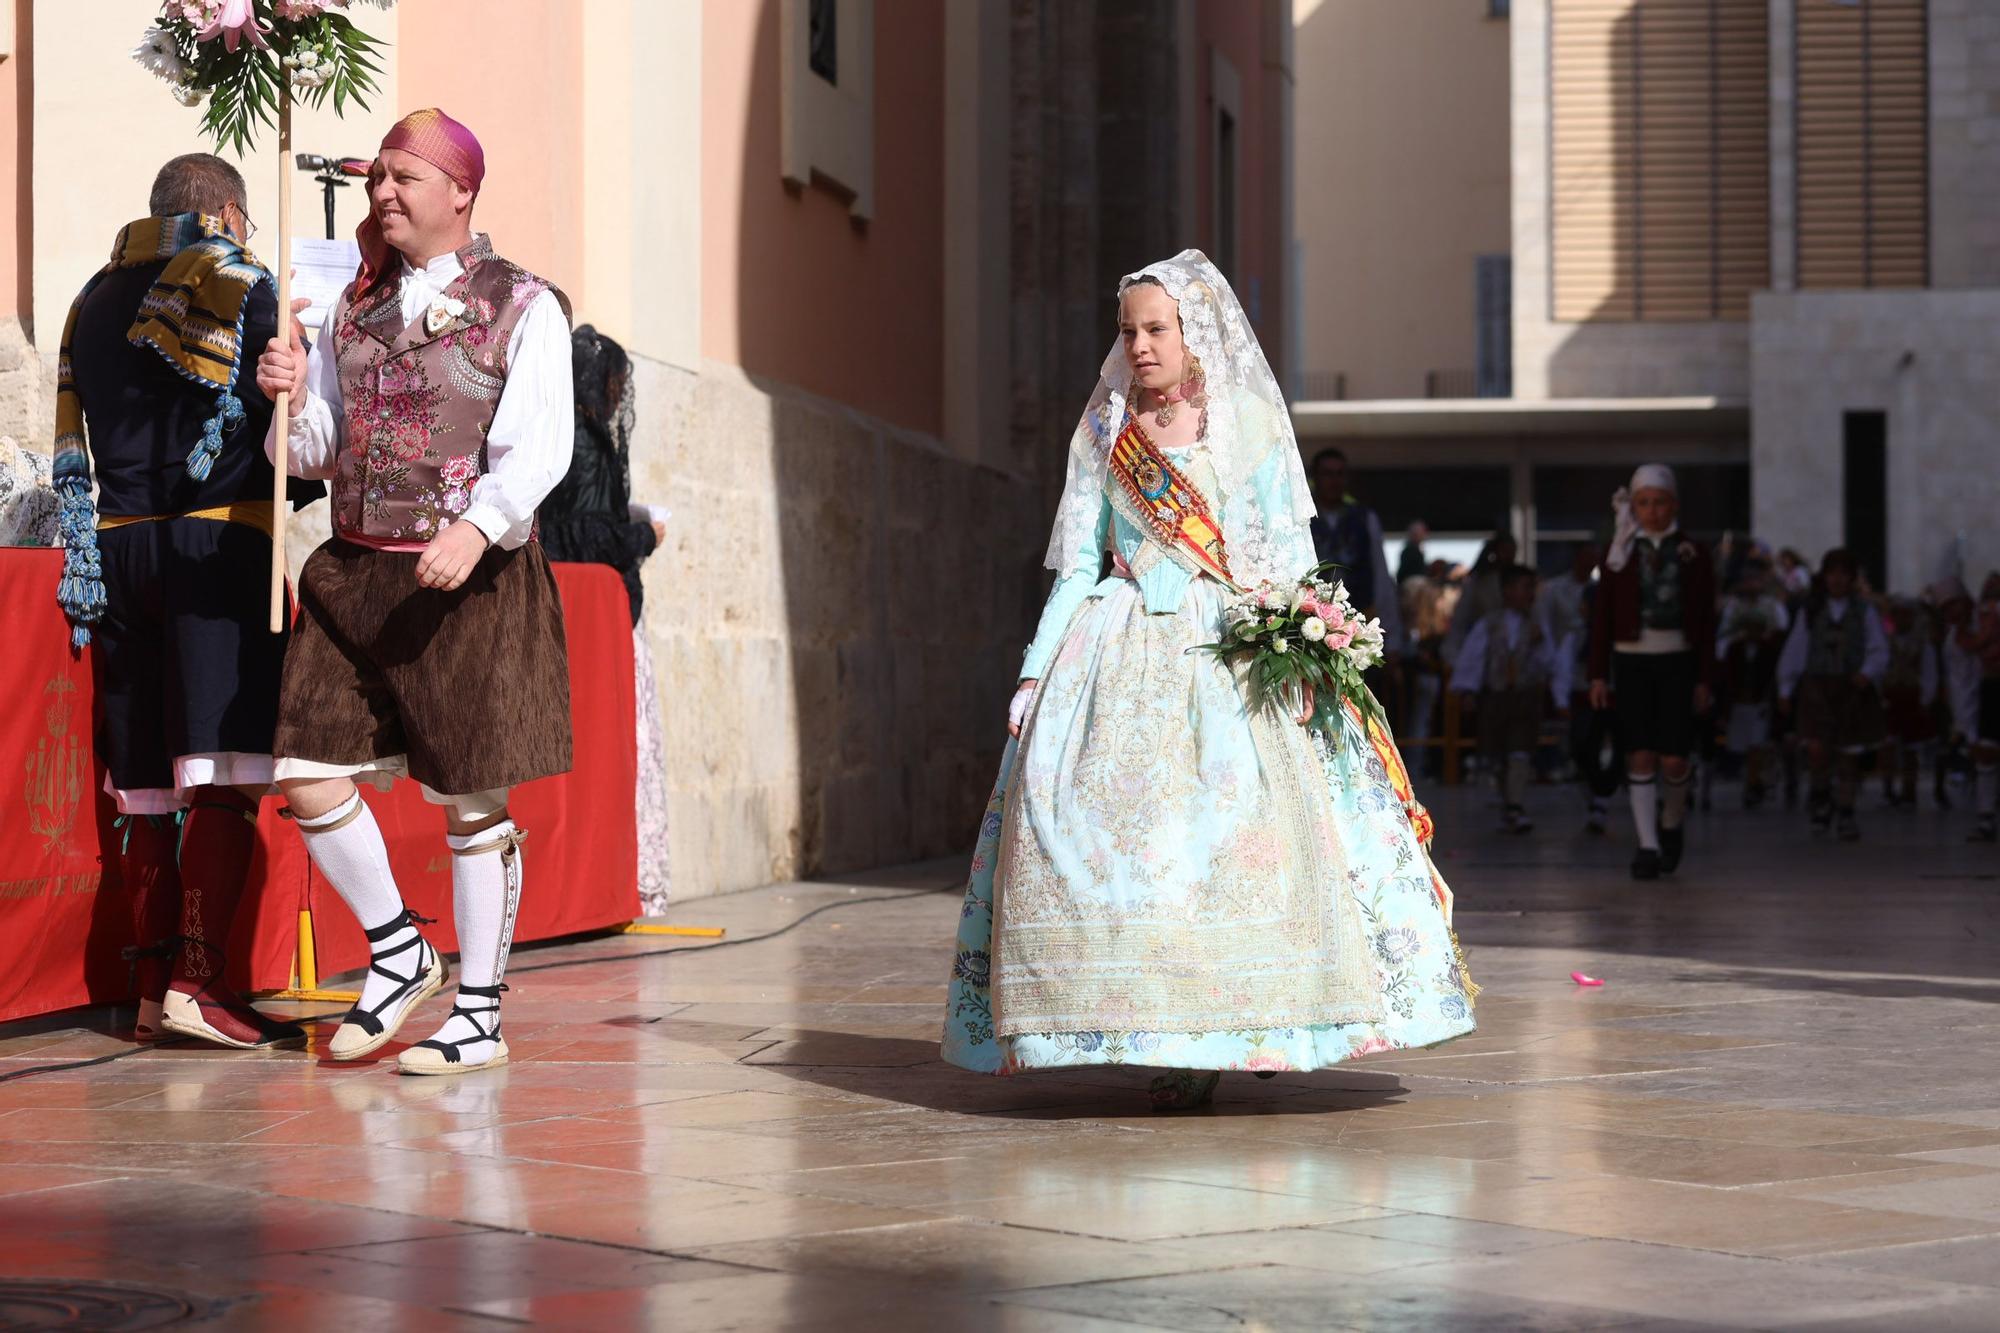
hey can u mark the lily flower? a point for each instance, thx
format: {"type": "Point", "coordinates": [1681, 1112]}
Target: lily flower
{"type": "Point", "coordinates": [235, 20]}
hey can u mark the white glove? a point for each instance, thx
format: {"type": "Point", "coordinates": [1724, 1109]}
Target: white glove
{"type": "Point", "coordinates": [1017, 711]}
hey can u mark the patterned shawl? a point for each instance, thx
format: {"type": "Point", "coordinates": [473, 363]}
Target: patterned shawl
{"type": "Point", "coordinates": [192, 316]}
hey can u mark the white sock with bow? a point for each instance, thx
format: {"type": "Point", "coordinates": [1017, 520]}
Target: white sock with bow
{"type": "Point", "coordinates": [485, 894]}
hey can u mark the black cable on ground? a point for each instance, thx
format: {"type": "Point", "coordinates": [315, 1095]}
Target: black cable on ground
{"type": "Point", "coordinates": [677, 949]}
{"type": "Point", "coordinates": [894, 897]}
{"type": "Point", "coordinates": [73, 1064]}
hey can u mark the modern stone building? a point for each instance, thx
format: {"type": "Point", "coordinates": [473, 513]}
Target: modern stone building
{"type": "Point", "coordinates": [867, 283]}
{"type": "Point", "coordinates": [1755, 238]}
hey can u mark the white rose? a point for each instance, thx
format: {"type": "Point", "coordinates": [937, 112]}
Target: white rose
{"type": "Point", "coordinates": [1314, 628]}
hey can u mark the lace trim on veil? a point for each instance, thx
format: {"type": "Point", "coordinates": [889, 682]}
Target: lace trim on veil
{"type": "Point", "coordinates": [1249, 430]}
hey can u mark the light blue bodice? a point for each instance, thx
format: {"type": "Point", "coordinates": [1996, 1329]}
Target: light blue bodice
{"type": "Point", "coordinates": [1163, 582]}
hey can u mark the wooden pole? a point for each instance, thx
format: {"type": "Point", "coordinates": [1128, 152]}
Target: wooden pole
{"type": "Point", "coordinates": [283, 407]}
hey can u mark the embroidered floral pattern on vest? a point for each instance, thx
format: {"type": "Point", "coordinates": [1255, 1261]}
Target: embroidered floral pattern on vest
{"type": "Point", "coordinates": [420, 398]}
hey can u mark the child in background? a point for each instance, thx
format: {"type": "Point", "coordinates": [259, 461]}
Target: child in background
{"type": "Point", "coordinates": [1752, 630]}
{"type": "Point", "coordinates": [1973, 662]}
{"type": "Point", "coordinates": [1829, 677]}
{"type": "Point", "coordinates": [1909, 693]}
{"type": "Point", "coordinates": [1509, 660]}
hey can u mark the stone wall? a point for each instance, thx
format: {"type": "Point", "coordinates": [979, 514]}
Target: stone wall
{"type": "Point", "coordinates": [1965, 143]}
{"type": "Point", "coordinates": [837, 618]}
{"type": "Point", "coordinates": [1931, 361]}
{"type": "Point", "coordinates": [27, 388]}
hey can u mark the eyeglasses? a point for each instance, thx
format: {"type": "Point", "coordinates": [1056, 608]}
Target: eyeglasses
{"type": "Point", "coordinates": [249, 227]}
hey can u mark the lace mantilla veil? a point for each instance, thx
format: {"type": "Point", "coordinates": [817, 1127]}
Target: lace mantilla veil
{"type": "Point", "coordinates": [1268, 537]}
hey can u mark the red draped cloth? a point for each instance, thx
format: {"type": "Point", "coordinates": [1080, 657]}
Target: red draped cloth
{"type": "Point", "coordinates": [63, 912]}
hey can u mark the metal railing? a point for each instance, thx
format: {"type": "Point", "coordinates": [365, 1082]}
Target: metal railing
{"type": "Point", "coordinates": [1323, 386]}
{"type": "Point", "coordinates": [1451, 384]}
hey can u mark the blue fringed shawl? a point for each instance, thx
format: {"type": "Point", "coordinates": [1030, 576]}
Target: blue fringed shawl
{"type": "Point", "coordinates": [193, 317]}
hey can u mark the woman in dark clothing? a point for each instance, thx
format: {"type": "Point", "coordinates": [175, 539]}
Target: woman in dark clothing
{"type": "Point", "coordinates": [587, 517]}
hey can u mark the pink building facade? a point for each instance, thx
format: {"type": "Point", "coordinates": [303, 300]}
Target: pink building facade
{"type": "Point", "coordinates": [865, 286]}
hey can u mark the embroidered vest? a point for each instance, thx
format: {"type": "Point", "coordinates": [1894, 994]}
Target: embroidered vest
{"type": "Point", "coordinates": [420, 398]}
{"type": "Point", "coordinates": [1659, 582]}
{"type": "Point", "coordinates": [1906, 661]}
{"type": "Point", "coordinates": [1836, 648]}
{"type": "Point", "coordinates": [1520, 667]}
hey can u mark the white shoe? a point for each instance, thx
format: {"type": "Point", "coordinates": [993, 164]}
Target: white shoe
{"type": "Point", "coordinates": [364, 1032]}
{"type": "Point", "coordinates": [442, 1055]}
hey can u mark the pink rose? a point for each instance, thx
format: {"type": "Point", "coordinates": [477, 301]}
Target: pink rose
{"type": "Point", "coordinates": [1341, 637]}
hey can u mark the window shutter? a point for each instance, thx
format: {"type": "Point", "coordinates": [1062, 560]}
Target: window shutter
{"type": "Point", "coordinates": [1863, 143]}
{"type": "Point", "coordinates": [1659, 161]}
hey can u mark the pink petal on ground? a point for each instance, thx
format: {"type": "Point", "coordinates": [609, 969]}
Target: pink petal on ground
{"type": "Point", "coordinates": [1582, 980]}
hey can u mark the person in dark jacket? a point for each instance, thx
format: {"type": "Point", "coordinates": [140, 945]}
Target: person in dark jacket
{"type": "Point", "coordinates": [167, 578]}
{"type": "Point", "coordinates": [587, 517]}
{"type": "Point", "coordinates": [1652, 658]}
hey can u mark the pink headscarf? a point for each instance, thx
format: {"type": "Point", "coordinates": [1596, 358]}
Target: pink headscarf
{"type": "Point", "coordinates": [438, 140]}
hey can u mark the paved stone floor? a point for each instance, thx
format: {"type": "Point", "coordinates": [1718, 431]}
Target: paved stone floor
{"type": "Point", "coordinates": [1783, 1110]}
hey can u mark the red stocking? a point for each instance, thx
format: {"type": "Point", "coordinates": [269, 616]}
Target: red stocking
{"type": "Point", "coordinates": [153, 880]}
{"type": "Point", "coordinates": [217, 839]}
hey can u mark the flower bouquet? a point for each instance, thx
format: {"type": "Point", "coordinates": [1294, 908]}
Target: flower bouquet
{"type": "Point", "coordinates": [245, 57]}
{"type": "Point", "coordinates": [249, 60]}
{"type": "Point", "coordinates": [1300, 644]}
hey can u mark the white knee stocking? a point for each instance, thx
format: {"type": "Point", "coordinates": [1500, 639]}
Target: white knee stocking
{"type": "Point", "coordinates": [1675, 800]}
{"type": "Point", "coordinates": [486, 895]}
{"type": "Point", "coordinates": [1645, 809]}
{"type": "Point", "coordinates": [346, 844]}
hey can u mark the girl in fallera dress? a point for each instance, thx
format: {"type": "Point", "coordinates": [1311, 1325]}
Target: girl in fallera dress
{"type": "Point", "coordinates": [1167, 876]}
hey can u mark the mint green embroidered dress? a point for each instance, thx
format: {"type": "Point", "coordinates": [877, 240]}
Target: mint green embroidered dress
{"type": "Point", "coordinates": [1164, 879]}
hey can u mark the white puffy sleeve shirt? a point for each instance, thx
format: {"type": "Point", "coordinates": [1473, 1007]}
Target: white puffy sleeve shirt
{"type": "Point", "coordinates": [534, 428]}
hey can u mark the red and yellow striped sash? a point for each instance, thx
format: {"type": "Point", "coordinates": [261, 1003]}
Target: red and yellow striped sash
{"type": "Point", "coordinates": [1177, 513]}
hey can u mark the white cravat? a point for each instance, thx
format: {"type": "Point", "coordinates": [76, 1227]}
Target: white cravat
{"type": "Point", "coordinates": [533, 433]}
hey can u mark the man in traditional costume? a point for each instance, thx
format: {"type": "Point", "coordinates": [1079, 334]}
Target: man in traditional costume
{"type": "Point", "coordinates": [1652, 650]}
{"type": "Point", "coordinates": [164, 579]}
{"type": "Point", "coordinates": [430, 645]}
